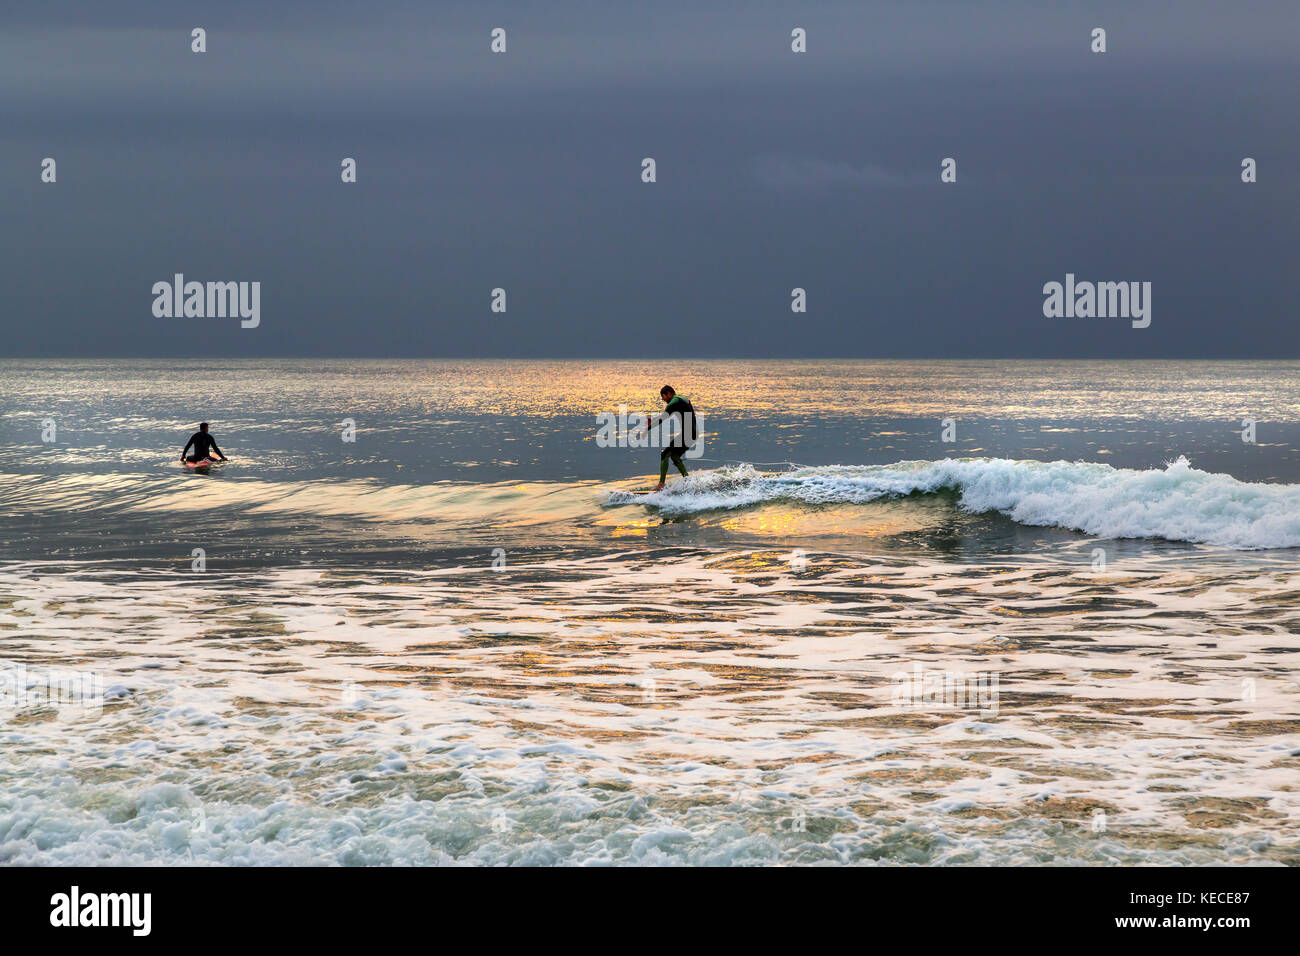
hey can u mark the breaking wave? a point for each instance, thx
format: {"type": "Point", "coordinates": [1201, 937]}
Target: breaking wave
{"type": "Point", "coordinates": [1177, 502]}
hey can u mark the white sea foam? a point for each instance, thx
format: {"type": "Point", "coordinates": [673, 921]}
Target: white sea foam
{"type": "Point", "coordinates": [365, 717]}
{"type": "Point", "coordinates": [1177, 502]}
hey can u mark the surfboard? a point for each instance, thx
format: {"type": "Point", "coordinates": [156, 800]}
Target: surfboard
{"type": "Point", "coordinates": [200, 466]}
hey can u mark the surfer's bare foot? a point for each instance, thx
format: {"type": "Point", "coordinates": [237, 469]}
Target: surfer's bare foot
{"type": "Point", "coordinates": [659, 487]}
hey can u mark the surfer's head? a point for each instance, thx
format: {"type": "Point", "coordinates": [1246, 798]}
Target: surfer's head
{"type": "Point", "coordinates": [203, 426]}
{"type": "Point", "coordinates": [667, 393]}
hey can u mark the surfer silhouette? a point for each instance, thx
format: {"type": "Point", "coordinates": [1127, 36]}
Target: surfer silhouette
{"type": "Point", "coordinates": [682, 414]}
{"type": "Point", "coordinates": [203, 444]}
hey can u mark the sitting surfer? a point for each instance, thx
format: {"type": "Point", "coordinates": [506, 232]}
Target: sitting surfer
{"type": "Point", "coordinates": [203, 444]}
{"type": "Point", "coordinates": [681, 437]}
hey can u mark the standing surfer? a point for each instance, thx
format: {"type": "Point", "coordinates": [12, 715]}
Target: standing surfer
{"type": "Point", "coordinates": [682, 413]}
{"type": "Point", "coordinates": [203, 444]}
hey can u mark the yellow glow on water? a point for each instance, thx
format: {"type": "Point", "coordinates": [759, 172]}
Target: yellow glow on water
{"type": "Point", "coordinates": [758, 387]}
{"type": "Point", "coordinates": [630, 531]}
{"type": "Point", "coordinates": [1138, 390]}
{"type": "Point", "coordinates": [779, 522]}
{"type": "Point", "coordinates": [882, 519]}
{"type": "Point", "coordinates": [622, 525]}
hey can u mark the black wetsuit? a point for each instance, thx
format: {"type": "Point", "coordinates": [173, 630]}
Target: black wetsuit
{"type": "Point", "coordinates": [203, 443]}
{"type": "Point", "coordinates": [682, 438]}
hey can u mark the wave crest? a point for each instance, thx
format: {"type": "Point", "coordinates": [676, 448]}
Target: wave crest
{"type": "Point", "coordinates": [1177, 502]}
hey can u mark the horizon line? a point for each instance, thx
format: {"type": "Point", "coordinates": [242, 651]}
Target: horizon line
{"type": "Point", "coordinates": [647, 358]}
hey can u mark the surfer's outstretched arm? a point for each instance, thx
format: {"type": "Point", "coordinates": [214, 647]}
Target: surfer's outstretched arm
{"type": "Point", "coordinates": [185, 450]}
{"type": "Point", "coordinates": [220, 453]}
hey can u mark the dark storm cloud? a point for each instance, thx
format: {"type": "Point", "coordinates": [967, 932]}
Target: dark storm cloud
{"type": "Point", "coordinates": [522, 171]}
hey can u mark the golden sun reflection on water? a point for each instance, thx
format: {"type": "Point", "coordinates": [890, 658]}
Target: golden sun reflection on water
{"type": "Point", "coordinates": [1019, 388]}
{"type": "Point", "coordinates": [770, 522]}
{"type": "Point", "coordinates": [635, 529]}
{"type": "Point", "coordinates": [876, 520]}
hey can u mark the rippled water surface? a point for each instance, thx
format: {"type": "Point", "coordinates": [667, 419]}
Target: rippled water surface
{"type": "Point", "coordinates": [1068, 636]}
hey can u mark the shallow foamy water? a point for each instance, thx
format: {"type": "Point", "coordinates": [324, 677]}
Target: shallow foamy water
{"type": "Point", "coordinates": [673, 706]}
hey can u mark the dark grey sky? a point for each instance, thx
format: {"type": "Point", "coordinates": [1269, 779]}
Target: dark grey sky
{"type": "Point", "coordinates": [775, 170]}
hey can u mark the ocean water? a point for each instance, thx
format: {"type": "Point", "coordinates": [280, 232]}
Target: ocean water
{"type": "Point", "coordinates": [1067, 635]}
